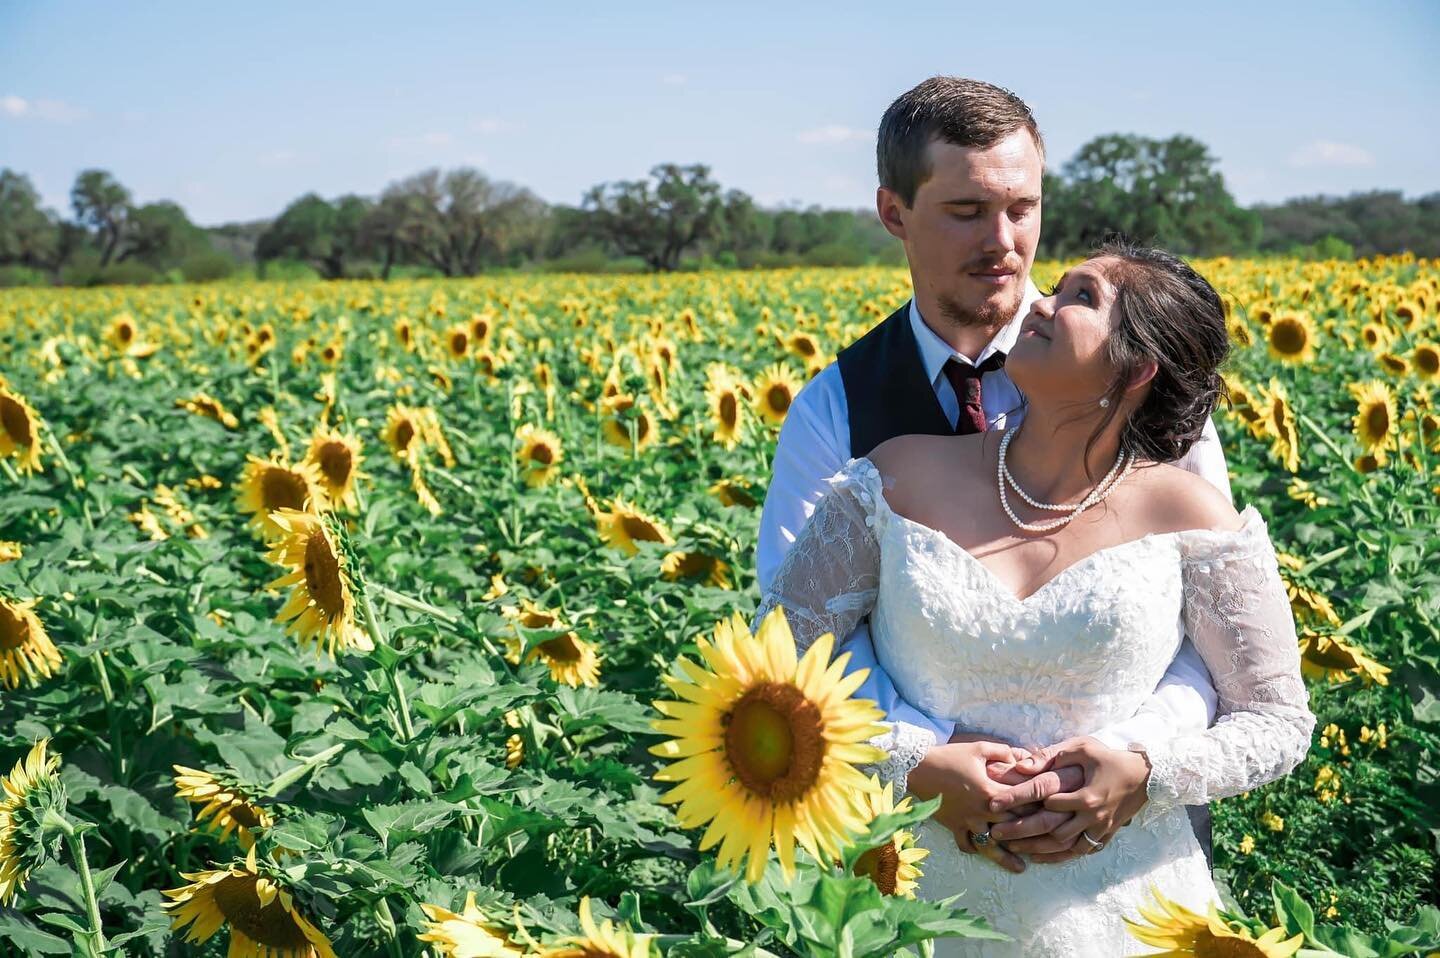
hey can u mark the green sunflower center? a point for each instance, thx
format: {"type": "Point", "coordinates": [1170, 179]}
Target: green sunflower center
{"type": "Point", "coordinates": [774, 740]}
{"type": "Point", "coordinates": [271, 926]}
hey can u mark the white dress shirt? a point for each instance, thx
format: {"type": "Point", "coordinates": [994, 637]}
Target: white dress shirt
{"type": "Point", "coordinates": [814, 444]}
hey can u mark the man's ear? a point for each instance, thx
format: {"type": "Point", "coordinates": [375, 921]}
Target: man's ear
{"type": "Point", "coordinates": [890, 207]}
{"type": "Point", "coordinates": [1143, 375]}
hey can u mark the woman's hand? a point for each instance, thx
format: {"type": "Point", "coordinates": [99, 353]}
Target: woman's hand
{"type": "Point", "coordinates": [1113, 791]}
{"type": "Point", "coordinates": [959, 773]}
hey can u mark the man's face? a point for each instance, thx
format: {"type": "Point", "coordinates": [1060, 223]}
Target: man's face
{"type": "Point", "coordinates": [970, 236]}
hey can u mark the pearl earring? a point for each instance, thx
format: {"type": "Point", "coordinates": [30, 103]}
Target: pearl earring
{"type": "Point", "coordinates": [1105, 403]}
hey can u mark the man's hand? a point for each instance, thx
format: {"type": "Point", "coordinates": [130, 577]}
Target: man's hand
{"type": "Point", "coordinates": [958, 773]}
{"type": "Point", "coordinates": [1112, 790]}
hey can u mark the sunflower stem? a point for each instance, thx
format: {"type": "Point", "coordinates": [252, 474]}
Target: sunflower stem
{"type": "Point", "coordinates": [289, 777]}
{"type": "Point", "coordinates": [64, 460]}
{"type": "Point", "coordinates": [95, 941]}
{"type": "Point", "coordinates": [372, 626]}
{"type": "Point", "coordinates": [405, 601]}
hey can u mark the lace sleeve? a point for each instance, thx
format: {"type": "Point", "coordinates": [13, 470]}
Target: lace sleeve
{"type": "Point", "coordinates": [1238, 616]}
{"type": "Point", "coordinates": [828, 582]}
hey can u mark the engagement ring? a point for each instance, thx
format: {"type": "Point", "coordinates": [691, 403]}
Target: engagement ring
{"type": "Point", "coordinates": [982, 838]}
{"type": "Point", "coordinates": [1094, 845]}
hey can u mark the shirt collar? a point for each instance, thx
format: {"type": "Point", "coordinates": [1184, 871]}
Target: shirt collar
{"type": "Point", "coordinates": [934, 351]}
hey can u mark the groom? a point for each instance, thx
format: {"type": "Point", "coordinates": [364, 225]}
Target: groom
{"type": "Point", "coordinates": [960, 166]}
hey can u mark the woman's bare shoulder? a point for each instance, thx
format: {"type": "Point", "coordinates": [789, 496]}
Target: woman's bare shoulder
{"type": "Point", "coordinates": [911, 465]}
{"type": "Point", "coordinates": [1176, 499]}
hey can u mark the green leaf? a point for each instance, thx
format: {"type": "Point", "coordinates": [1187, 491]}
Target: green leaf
{"type": "Point", "coordinates": [1292, 911]}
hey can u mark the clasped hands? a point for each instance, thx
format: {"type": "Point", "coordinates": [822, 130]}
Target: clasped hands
{"type": "Point", "coordinates": [1033, 803]}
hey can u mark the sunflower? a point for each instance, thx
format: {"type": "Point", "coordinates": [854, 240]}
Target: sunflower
{"type": "Point", "coordinates": [722, 395]}
{"type": "Point", "coordinates": [124, 335]}
{"type": "Point", "coordinates": [1181, 931]}
{"type": "Point", "coordinates": [1241, 403]}
{"type": "Point", "coordinates": [620, 409]}
{"type": "Point", "coordinates": [232, 809]}
{"type": "Point", "coordinates": [514, 751]}
{"type": "Point", "coordinates": [1332, 657]}
{"type": "Point", "coordinates": [31, 787]}
{"type": "Point", "coordinates": [1291, 338]}
{"type": "Point", "coordinates": [1393, 364]}
{"type": "Point", "coordinates": [10, 551]}
{"type": "Point", "coordinates": [457, 342]}
{"type": "Point", "coordinates": [891, 866]}
{"type": "Point", "coordinates": [572, 661]}
{"type": "Point", "coordinates": [1375, 417]}
{"type": "Point", "coordinates": [775, 390]}
{"type": "Point", "coordinates": [20, 428]}
{"type": "Point", "coordinates": [766, 746]}
{"type": "Point", "coordinates": [402, 430]}
{"type": "Point", "coordinates": [203, 404]}
{"type": "Point", "coordinates": [336, 457]}
{"type": "Point", "coordinates": [1277, 422]}
{"type": "Point", "coordinates": [1426, 357]}
{"type": "Point", "coordinates": [25, 647]}
{"type": "Point", "coordinates": [1376, 336]}
{"type": "Point", "coordinates": [540, 454]}
{"type": "Point", "coordinates": [405, 334]}
{"type": "Point", "coordinates": [322, 603]}
{"type": "Point", "coordinates": [467, 934]}
{"type": "Point", "coordinates": [1301, 491]}
{"type": "Point", "coordinates": [624, 525]}
{"type": "Point", "coordinates": [733, 492]}
{"type": "Point", "coordinates": [678, 566]}
{"type": "Point", "coordinates": [269, 484]}
{"type": "Point", "coordinates": [602, 941]}
{"type": "Point", "coordinates": [264, 921]}
{"type": "Point", "coordinates": [1308, 604]}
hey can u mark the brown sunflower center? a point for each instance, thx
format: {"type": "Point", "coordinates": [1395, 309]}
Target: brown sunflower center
{"type": "Point", "coordinates": [537, 620]}
{"type": "Point", "coordinates": [1289, 337]}
{"type": "Point", "coordinates": [692, 564]}
{"type": "Point", "coordinates": [335, 462]}
{"type": "Point", "coordinates": [244, 813]}
{"type": "Point", "coordinates": [562, 648]}
{"type": "Point", "coordinates": [126, 332]}
{"type": "Point", "coordinates": [458, 342]}
{"type": "Point", "coordinates": [1377, 420]}
{"type": "Point", "coordinates": [1428, 360]}
{"type": "Point", "coordinates": [322, 576]}
{"type": "Point", "coordinates": [805, 346]}
{"type": "Point", "coordinates": [1329, 654]}
{"type": "Point", "coordinates": [882, 866]}
{"type": "Point", "coordinates": [642, 427]}
{"type": "Point", "coordinates": [729, 410]}
{"type": "Point", "coordinates": [637, 528]}
{"type": "Point", "coordinates": [1209, 946]}
{"type": "Point", "coordinates": [404, 433]}
{"type": "Point", "coordinates": [777, 397]}
{"type": "Point", "coordinates": [542, 454]}
{"type": "Point", "coordinates": [14, 630]}
{"type": "Point", "coordinates": [16, 421]}
{"type": "Point", "coordinates": [271, 926]}
{"type": "Point", "coordinates": [282, 489]}
{"type": "Point", "coordinates": [774, 741]}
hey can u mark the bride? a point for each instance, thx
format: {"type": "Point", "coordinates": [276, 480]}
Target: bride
{"type": "Point", "coordinates": [1033, 586]}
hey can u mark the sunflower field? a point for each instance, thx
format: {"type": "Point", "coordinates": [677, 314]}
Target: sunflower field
{"type": "Point", "coordinates": [411, 619]}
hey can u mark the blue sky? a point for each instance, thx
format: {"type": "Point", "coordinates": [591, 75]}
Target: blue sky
{"type": "Point", "coordinates": [234, 111]}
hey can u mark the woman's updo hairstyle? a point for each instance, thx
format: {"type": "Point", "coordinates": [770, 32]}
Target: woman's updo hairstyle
{"type": "Point", "coordinates": [1167, 312]}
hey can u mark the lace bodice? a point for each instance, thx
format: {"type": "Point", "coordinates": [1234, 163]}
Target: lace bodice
{"type": "Point", "coordinates": [1083, 651]}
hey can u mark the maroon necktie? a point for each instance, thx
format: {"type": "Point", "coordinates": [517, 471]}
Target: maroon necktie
{"type": "Point", "coordinates": [966, 380]}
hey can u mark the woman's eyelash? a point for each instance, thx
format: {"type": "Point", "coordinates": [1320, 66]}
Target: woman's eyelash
{"type": "Point", "coordinates": [1054, 288]}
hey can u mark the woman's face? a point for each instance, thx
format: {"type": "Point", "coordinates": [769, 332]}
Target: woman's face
{"type": "Point", "coordinates": [1060, 353]}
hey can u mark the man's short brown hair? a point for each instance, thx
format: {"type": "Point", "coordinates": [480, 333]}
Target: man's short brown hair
{"type": "Point", "coordinates": [968, 113]}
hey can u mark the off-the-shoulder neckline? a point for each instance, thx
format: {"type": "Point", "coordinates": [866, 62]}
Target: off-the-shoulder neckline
{"type": "Point", "coordinates": [1250, 521]}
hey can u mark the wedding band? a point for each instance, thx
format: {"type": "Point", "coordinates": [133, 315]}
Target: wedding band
{"type": "Point", "coordinates": [1094, 845]}
{"type": "Point", "coordinates": [982, 839]}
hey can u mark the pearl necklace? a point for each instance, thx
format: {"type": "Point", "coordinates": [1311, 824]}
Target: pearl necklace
{"type": "Point", "coordinates": [1123, 464]}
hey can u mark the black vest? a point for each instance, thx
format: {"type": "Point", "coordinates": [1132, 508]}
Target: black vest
{"type": "Point", "coordinates": [886, 390]}
{"type": "Point", "coordinates": [887, 395]}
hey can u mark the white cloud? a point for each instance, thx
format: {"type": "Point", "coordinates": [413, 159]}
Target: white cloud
{"type": "Point", "coordinates": [674, 79]}
{"type": "Point", "coordinates": [53, 111]}
{"type": "Point", "coordinates": [835, 133]}
{"type": "Point", "coordinates": [274, 158]}
{"type": "Point", "coordinates": [488, 124]}
{"type": "Point", "coordinates": [1329, 153]}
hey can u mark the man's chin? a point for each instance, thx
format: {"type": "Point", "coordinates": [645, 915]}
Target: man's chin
{"type": "Point", "coordinates": [996, 309]}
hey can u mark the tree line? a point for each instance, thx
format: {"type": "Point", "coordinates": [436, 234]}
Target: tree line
{"type": "Point", "coordinates": [461, 222]}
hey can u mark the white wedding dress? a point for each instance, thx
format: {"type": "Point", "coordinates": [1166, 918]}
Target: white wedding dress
{"type": "Point", "coordinates": [1083, 651]}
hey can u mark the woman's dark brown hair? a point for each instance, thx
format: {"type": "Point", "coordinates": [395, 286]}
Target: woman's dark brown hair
{"type": "Point", "coordinates": [1166, 312]}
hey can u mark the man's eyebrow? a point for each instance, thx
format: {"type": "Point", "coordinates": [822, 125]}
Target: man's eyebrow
{"type": "Point", "coordinates": [982, 201]}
